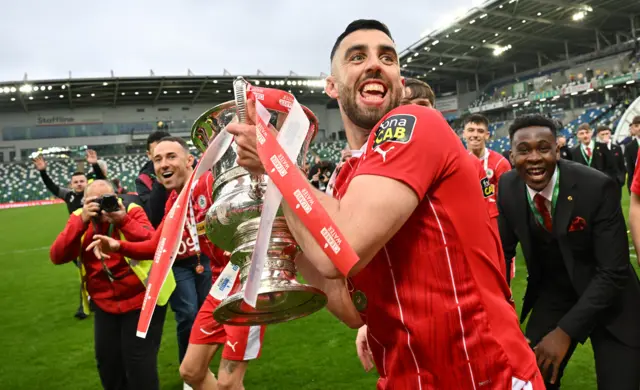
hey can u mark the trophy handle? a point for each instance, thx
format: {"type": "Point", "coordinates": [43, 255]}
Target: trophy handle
{"type": "Point", "coordinates": [240, 95]}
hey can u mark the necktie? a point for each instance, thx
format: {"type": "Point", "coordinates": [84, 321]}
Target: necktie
{"type": "Point", "coordinates": [544, 211]}
{"type": "Point", "coordinates": [588, 149]}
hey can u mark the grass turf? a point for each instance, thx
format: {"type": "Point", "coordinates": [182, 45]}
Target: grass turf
{"type": "Point", "coordinates": [43, 346]}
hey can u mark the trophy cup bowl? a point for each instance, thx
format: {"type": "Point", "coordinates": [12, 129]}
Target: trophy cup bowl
{"type": "Point", "coordinates": [232, 224]}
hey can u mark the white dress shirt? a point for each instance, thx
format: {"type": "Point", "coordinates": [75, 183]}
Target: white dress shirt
{"type": "Point", "coordinates": [547, 192]}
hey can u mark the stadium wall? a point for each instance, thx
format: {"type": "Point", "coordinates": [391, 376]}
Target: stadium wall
{"type": "Point", "coordinates": [120, 125]}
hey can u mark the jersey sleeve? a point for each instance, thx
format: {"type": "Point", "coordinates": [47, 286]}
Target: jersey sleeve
{"type": "Point", "coordinates": [411, 145]}
{"type": "Point", "coordinates": [635, 184]}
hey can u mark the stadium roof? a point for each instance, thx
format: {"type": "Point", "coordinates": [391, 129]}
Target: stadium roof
{"type": "Point", "coordinates": [115, 91]}
{"type": "Point", "coordinates": [501, 38]}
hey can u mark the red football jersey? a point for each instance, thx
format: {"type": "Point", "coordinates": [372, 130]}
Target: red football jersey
{"type": "Point", "coordinates": [438, 310]}
{"type": "Point", "coordinates": [635, 184]}
{"type": "Point", "coordinates": [494, 165]}
{"type": "Point", "coordinates": [201, 201]}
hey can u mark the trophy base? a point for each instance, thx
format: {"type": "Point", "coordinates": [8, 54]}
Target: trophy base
{"type": "Point", "coordinates": [275, 304]}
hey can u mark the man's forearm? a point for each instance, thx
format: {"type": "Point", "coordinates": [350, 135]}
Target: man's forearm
{"type": "Point", "coordinates": [338, 300]}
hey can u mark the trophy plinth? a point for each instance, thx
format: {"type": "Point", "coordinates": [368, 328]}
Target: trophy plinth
{"type": "Point", "coordinates": [233, 221]}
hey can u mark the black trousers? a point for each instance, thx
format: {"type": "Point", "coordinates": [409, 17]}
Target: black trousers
{"type": "Point", "coordinates": [125, 361]}
{"type": "Point", "coordinates": [617, 364]}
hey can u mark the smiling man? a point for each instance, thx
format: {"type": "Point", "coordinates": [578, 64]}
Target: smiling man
{"type": "Point", "coordinates": [476, 134]}
{"type": "Point", "coordinates": [568, 220]}
{"type": "Point", "coordinates": [435, 305]}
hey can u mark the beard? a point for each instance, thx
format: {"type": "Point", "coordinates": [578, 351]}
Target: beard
{"type": "Point", "coordinates": [366, 117]}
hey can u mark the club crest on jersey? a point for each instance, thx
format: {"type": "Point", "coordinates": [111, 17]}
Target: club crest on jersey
{"type": "Point", "coordinates": [396, 128]}
{"type": "Point", "coordinates": [202, 201]}
{"type": "Point", "coordinates": [489, 173]}
{"type": "Point", "coordinates": [487, 188]}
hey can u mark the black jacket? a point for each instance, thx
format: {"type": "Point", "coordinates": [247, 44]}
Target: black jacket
{"type": "Point", "coordinates": [630, 157]}
{"type": "Point", "coordinates": [602, 159]}
{"type": "Point", "coordinates": [596, 256]}
{"type": "Point", "coordinates": [153, 195]}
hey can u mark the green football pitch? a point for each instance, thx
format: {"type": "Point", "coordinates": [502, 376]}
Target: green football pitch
{"type": "Point", "coordinates": [44, 347]}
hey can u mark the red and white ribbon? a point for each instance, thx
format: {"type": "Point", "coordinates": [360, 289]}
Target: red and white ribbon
{"type": "Point", "coordinates": [294, 186]}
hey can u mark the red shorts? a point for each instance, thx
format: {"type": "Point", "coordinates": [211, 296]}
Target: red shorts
{"type": "Point", "coordinates": [240, 342]}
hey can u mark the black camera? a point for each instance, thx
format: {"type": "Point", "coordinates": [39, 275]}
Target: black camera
{"type": "Point", "coordinates": [108, 203]}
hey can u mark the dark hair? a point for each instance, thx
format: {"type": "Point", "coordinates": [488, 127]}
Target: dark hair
{"type": "Point", "coordinates": [78, 173]}
{"type": "Point", "coordinates": [156, 136]}
{"type": "Point", "coordinates": [476, 118]}
{"type": "Point", "coordinates": [584, 126]}
{"type": "Point", "coordinates": [636, 120]}
{"type": "Point", "coordinates": [602, 128]}
{"type": "Point", "coordinates": [360, 24]}
{"type": "Point", "coordinates": [179, 140]}
{"type": "Point", "coordinates": [419, 89]}
{"type": "Point", "coordinates": [525, 121]}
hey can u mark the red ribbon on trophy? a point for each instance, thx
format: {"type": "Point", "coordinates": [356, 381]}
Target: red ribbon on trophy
{"type": "Point", "coordinates": [293, 185]}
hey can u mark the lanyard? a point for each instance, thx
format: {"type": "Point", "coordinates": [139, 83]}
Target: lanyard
{"type": "Point", "coordinates": [554, 199]}
{"type": "Point", "coordinates": [193, 230]}
{"type": "Point", "coordinates": [485, 160]}
{"type": "Point", "coordinates": [588, 160]}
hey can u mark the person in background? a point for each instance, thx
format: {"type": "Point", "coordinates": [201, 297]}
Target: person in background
{"type": "Point", "coordinates": [476, 134]}
{"type": "Point", "coordinates": [593, 154]}
{"type": "Point", "coordinates": [569, 223]}
{"type": "Point", "coordinates": [631, 150]}
{"type": "Point", "coordinates": [73, 197]}
{"type": "Point", "coordinates": [418, 92]}
{"type": "Point", "coordinates": [117, 288]}
{"type": "Point", "coordinates": [604, 137]}
{"type": "Point", "coordinates": [152, 193]}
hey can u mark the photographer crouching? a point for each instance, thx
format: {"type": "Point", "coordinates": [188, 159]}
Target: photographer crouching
{"type": "Point", "coordinates": [116, 286]}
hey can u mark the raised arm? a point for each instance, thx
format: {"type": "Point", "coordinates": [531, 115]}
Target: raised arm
{"type": "Point", "coordinates": [41, 165]}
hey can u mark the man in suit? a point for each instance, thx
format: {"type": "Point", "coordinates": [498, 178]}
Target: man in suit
{"type": "Point", "coordinates": [631, 150]}
{"type": "Point", "coordinates": [604, 137]}
{"type": "Point", "coordinates": [593, 154]}
{"type": "Point", "coordinates": [569, 223]}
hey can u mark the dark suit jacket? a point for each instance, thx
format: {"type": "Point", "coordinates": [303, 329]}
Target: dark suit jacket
{"type": "Point", "coordinates": [597, 257]}
{"type": "Point", "coordinates": [630, 157]}
{"type": "Point", "coordinates": [618, 158]}
{"type": "Point", "coordinates": [602, 159]}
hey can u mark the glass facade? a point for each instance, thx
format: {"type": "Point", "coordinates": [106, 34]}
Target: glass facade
{"type": "Point", "coordinates": [16, 133]}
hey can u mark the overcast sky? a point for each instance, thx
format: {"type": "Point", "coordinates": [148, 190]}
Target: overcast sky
{"type": "Point", "coordinates": [47, 39]}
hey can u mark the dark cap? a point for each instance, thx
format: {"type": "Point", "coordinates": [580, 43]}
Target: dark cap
{"type": "Point", "coordinates": [360, 24]}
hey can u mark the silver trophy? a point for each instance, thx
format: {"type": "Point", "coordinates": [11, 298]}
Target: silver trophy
{"type": "Point", "coordinates": [233, 220]}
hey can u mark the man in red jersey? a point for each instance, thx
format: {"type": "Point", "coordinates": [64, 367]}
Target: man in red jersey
{"type": "Point", "coordinates": [435, 305]}
{"type": "Point", "coordinates": [240, 343]}
{"type": "Point", "coordinates": [476, 134]}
